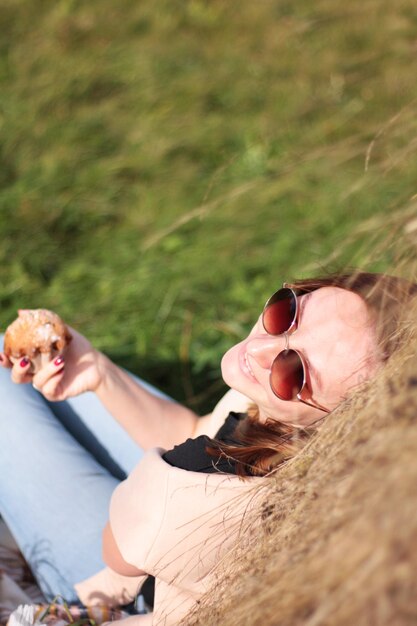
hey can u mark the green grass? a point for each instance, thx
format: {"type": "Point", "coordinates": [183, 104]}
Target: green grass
{"type": "Point", "coordinates": [164, 166]}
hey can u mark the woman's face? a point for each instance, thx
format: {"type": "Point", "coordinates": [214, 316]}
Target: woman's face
{"type": "Point", "coordinates": [336, 337]}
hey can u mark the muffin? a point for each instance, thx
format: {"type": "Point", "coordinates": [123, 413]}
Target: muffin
{"type": "Point", "coordinates": [38, 334]}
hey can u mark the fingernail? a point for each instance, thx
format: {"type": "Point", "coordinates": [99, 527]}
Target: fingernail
{"type": "Point", "coordinates": [59, 360]}
{"type": "Point", "coordinates": [24, 362]}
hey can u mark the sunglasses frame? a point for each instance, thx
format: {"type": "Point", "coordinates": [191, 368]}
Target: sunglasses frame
{"type": "Point", "coordinates": [290, 330]}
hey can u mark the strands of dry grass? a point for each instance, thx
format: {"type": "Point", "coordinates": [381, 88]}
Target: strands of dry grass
{"type": "Point", "coordinates": [339, 545]}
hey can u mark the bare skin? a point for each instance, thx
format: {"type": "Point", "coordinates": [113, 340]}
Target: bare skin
{"type": "Point", "coordinates": [86, 369]}
{"type": "Point", "coordinates": [335, 335]}
{"type": "Point", "coordinates": [113, 558]}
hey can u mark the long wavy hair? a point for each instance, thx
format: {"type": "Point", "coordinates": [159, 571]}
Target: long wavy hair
{"type": "Point", "coordinates": [261, 447]}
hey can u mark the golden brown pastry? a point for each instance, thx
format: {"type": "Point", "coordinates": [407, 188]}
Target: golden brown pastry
{"type": "Point", "coordinates": [38, 334]}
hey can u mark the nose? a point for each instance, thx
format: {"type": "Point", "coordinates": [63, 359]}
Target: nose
{"type": "Point", "coordinates": [264, 348]}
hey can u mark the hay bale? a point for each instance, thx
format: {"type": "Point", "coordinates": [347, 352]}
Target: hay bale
{"type": "Point", "coordinates": [338, 545]}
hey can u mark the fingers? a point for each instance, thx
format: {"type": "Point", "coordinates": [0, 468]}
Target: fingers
{"type": "Point", "coordinates": [21, 371]}
{"type": "Point", "coordinates": [52, 390]}
{"type": "Point", "coordinates": [48, 379]}
{"type": "Point", "coordinates": [4, 361]}
{"type": "Point", "coordinates": [51, 369]}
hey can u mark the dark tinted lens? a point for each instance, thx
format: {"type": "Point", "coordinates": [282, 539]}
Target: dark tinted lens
{"type": "Point", "coordinates": [287, 375]}
{"type": "Point", "coordinates": [279, 312]}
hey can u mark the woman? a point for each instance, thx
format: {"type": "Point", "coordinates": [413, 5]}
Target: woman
{"type": "Point", "coordinates": [179, 511]}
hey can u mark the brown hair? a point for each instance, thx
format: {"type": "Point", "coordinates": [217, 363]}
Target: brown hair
{"type": "Point", "coordinates": [261, 447]}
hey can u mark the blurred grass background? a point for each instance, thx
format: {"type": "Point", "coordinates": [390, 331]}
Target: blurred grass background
{"type": "Point", "coordinates": [165, 166]}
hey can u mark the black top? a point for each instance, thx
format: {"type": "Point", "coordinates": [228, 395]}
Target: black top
{"type": "Point", "coordinates": [191, 455]}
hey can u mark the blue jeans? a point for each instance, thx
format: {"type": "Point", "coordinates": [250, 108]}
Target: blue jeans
{"type": "Point", "coordinates": [59, 464]}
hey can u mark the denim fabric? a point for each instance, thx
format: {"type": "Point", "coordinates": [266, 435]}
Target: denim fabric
{"type": "Point", "coordinates": [59, 464]}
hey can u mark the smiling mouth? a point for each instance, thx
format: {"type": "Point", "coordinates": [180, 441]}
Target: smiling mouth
{"type": "Point", "coordinates": [245, 366]}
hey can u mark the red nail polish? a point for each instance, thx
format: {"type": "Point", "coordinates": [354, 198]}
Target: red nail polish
{"type": "Point", "coordinates": [59, 360]}
{"type": "Point", "coordinates": [24, 362]}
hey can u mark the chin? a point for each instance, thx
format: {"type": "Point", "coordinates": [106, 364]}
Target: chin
{"type": "Point", "coordinates": [235, 378]}
{"type": "Point", "coordinates": [230, 368]}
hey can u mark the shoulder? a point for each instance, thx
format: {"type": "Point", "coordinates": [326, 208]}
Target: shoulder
{"type": "Point", "coordinates": [232, 401]}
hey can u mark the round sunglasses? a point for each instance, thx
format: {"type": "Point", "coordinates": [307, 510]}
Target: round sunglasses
{"type": "Point", "coordinates": [288, 376]}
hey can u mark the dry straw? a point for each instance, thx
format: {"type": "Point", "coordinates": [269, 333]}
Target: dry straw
{"type": "Point", "coordinates": [335, 541]}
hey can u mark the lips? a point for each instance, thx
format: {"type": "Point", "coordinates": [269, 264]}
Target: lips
{"type": "Point", "coordinates": [245, 365]}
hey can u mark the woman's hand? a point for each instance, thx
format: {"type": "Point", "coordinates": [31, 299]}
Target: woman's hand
{"type": "Point", "coordinates": [77, 371]}
{"type": "Point", "coordinates": [151, 420]}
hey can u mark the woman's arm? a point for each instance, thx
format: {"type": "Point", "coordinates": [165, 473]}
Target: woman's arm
{"type": "Point", "coordinates": [150, 420]}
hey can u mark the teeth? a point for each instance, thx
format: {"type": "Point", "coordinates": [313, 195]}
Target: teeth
{"type": "Point", "coordinates": [248, 367]}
